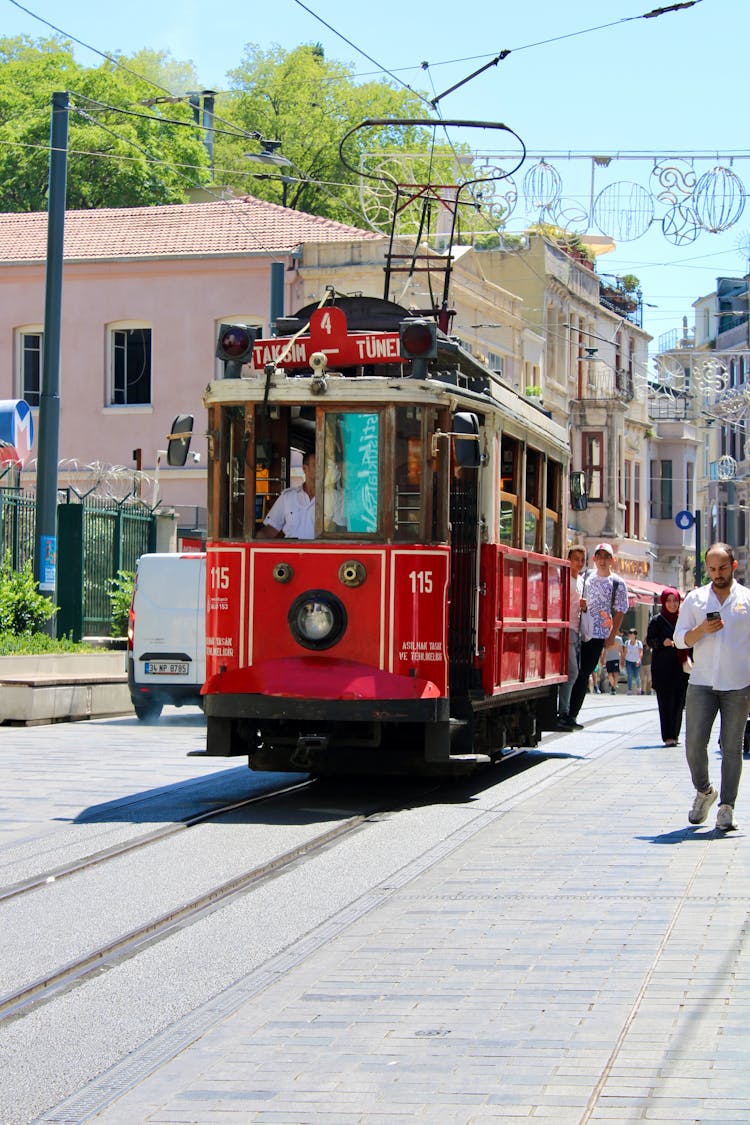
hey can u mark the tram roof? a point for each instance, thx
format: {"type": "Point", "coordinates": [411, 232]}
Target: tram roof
{"type": "Point", "coordinates": [519, 415]}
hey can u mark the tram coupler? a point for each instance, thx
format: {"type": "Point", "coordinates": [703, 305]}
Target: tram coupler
{"type": "Point", "coordinates": [308, 746]}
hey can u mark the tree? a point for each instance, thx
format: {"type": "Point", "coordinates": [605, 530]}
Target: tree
{"type": "Point", "coordinates": [121, 153]}
{"type": "Point", "coordinates": [308, 103]}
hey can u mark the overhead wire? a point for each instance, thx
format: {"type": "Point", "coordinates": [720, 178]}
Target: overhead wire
{"type": "Point", "coordinates": [503, 53]}
{"type": "Point", "coordinates": [391, 72]}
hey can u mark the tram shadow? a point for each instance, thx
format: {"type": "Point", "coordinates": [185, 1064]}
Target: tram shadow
{"type": "Point", "coordinates": [193, 799]}
{"type": "Point", "coordinates": [239, 796]}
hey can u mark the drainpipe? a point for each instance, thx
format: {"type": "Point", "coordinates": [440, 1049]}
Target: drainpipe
{"type": "Point", "coordinates": [277, 294]}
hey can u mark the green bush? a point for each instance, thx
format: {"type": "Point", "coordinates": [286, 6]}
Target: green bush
{"type": "Point", "coordinates": [34, 644]}
{"type": "Point", "coordinates": [120, 594]}
{"type": "Point", "coordinates": [23, 610]}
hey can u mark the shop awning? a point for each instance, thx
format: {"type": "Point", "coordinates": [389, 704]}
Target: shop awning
{"type": "Point", "coordinates": [644, 591]}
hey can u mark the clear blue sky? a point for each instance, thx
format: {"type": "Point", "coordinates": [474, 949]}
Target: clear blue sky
{"type": "Point", "coordinates": [663, 86]}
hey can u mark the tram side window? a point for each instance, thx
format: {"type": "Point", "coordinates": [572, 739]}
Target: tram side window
{"type": "Point", "coordinates": [229, 491]}
{"type": "Point", "coordinates": [351, 497]}
{"type": "Point", "coordinates": [533, 505]}
{"type": "Point", "coordinates": [510, 462]}
{"type": "Point", "coordinates": [409, 458]}
{"type": "Point", "coordinates": [552, 524]}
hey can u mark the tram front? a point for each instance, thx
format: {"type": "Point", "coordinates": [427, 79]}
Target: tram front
{"type": "Point", "coordinates": [328, 570]}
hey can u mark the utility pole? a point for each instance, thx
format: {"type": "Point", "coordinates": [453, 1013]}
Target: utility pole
{"type": "Point", "coordinates": [45, 538]}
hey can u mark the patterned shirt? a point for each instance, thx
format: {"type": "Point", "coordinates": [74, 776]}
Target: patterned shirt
{"type": "Point", "coordinates": [598, 594]}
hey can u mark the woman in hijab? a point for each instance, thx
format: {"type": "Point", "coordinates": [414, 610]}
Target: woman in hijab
{"type": "Point", "coordinates": [669, 667]}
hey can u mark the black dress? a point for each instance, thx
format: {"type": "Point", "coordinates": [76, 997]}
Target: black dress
{"type": "Point", "coordinates": [668, 676]}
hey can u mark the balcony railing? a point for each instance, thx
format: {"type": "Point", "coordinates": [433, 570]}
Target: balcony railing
{"type": "Point", "coordinates": [624, 303]}
{"type": "Point", "coordinates": [603, 382]}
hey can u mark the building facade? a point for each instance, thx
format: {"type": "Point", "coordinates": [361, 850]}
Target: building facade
{"type": "Point", "coordinates": [705, 378]}
{"type": "Point", "coordinates": [594, 381]}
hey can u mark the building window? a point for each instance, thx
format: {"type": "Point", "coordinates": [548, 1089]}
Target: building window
{"type": "Point", "coordinates": [636, 501]}
{"type": "Point", "coordinates": [495, 362]}
{"type": "Point", "coordinates": [689, 492]}
{"type": "Point", "coordinates": [661, 490]}
{"type": "Point", "coordinates": [593, 463]}
{"type": "Point", "coordinates": [129, 353]}
{"type": "Point", "coordinates": [29, 364]}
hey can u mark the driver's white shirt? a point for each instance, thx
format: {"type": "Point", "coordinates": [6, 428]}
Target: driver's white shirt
{"type": "Point", "coordinates": [293, 514]}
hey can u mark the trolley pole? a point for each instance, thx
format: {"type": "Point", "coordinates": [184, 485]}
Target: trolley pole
{"type": "Point", "coordinates": [45, 538]}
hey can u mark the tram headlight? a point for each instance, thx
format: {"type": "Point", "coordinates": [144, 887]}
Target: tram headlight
{"type": "Point", "coordinates": [317, 619]}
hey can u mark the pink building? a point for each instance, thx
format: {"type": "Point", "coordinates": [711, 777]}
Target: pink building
{"type": "Point", "coordinates": [144, 291]}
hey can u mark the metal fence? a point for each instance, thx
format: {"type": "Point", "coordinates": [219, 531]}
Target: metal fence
{"type": "Point", "coordinates": [96, 538]}
{"type": "Point", "coordinates": [17, 516]}
{"type": "Point", "coordinates": [113, 539]}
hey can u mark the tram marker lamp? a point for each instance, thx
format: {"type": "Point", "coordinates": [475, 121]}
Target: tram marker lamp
{"type": "Point", "coordinates": [418, 342]}
{"type": "Point", "coordinates": [235, 347]}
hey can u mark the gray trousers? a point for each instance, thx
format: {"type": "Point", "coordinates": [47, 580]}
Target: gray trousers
{"type": "Point", "coordinates": [701, 707]}
{"type": "Point", "coordinates": [563, 706]}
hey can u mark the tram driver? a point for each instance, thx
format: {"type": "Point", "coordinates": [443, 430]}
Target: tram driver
{"type": "Point", "coordinates": [293, 514]}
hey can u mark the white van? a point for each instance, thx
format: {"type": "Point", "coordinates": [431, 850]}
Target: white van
{"type": "Point", "coordinates": [167, 632]}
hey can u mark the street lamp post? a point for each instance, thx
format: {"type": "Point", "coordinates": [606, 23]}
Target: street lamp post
{"type": "Point", "coordinates": [45, 538]}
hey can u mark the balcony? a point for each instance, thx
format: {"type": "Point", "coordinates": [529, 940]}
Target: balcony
{"type": "Point", "coordinates": [626, 303]}
{"type": "Point", "coordinates": [602, 382]}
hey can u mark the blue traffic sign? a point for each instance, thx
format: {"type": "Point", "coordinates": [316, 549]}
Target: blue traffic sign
{"type": "Point", "coordinates": [16, 431]}
{"type": "Point", "coordinates": [684, 520]}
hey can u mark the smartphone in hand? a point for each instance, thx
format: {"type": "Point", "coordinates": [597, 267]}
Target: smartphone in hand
{"type": "Point", "coordinates": [714, 615]}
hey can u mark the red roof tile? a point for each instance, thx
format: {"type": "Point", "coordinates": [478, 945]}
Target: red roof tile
{"type": "Point", "coordinates": [232, 226]}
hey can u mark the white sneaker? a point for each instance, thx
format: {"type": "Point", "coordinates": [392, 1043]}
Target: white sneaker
{"type": "Point", "coordinates": [701, 805]}
{"type": "Point", "coordinates": [725, 818]}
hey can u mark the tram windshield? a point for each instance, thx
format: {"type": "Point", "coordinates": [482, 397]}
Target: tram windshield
{"type": "Point", "coordinates": [328, 471]}
{"type": "Point", "coordinates": [352, 472]}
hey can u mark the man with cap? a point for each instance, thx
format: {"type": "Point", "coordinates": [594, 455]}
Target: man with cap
{"type": "Point", "coordinates": [604, 603]}
{"type": "Point", "coordinates": [577, 560]}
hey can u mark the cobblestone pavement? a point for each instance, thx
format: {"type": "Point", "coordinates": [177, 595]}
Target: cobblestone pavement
{"type": "Point", "coordinates": [581, 956]}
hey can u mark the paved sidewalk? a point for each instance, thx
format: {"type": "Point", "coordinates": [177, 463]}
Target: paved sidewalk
{"type": "Point", "coordinates": [582, 956]}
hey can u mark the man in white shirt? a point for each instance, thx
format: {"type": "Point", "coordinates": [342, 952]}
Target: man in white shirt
{"type": "Point", "coordinates": [714, 621]}
{"type": "Point", "coordinates": [293, 513]}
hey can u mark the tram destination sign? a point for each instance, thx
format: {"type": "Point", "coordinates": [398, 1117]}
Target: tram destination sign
{"type": "Point", "coordinates": [329, 334]}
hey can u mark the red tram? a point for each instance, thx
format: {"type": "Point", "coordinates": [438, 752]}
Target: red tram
{"type": "Point", "coordinates": [419, 622]}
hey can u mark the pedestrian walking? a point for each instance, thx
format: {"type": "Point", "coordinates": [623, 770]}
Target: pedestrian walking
{"type": "Point", "coordinates": [714, 621]}
{"type": "Point", "coordinates": [646, 678]}
{"type": "Point", "coordinates": [669, 668]}
{"type": "Point", "coordinates": [633, 653]}
{"type": "Point", "coordinates": [604, 603]}
{"type": "Point", "coordinates": [577, 560]}
{"type": "Point", "coordinates": [613, 662]}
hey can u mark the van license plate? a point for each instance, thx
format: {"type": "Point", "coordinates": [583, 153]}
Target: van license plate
{"type": "Point", "coordinates": [167, 668]}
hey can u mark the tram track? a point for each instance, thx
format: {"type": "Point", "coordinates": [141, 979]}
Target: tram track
{"type": "Point", "coordinates": [117, 851]}
{"type": "Point", "coordinates": [44, 988]}
{"type": "Point", "coordinates": [16, 1004]}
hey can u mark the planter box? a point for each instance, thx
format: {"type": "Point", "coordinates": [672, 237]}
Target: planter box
{"type": "Point", "coordinates": [55, 688]}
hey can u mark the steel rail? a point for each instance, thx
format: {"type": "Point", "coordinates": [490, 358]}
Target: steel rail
{"type": "Point", "coordinates": [14, 1004]}
{"type": "Point", "coordinates": [53, 876]}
